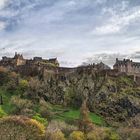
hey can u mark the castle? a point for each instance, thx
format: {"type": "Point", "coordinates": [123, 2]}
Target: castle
{"type": "Point", "coordinates": [40, 66]}
{"type": "Point", "coordinates": [45, 67]}
{"type": "Point", "coordinates": [127, 66]}
{"type": "Point", "coordinates": [18, 60]}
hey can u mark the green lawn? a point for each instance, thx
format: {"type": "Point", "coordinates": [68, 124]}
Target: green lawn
{"type": "Point", "coordinates": [6, 107]}
{"type": "Point", "coordinates": [72, 114]}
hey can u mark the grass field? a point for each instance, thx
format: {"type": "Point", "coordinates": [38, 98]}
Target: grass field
{"type": "Point", "coordinates": [73, 114]}
{"type": "Point", "coordinates": [6, 107]}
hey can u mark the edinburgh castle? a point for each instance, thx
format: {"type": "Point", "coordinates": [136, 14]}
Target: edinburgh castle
{"type": "Point", "coordinates": [46, 67]}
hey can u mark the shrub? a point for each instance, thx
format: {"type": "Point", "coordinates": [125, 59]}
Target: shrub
{"type": "Point", "coordinates": [44, 109]}
{"type": "Point", "coordinates": [64, 127]}
{"type": "Point", "coordinates": [40, 119]}
{"type": "Point", "coordinates": [23, 84]}
{"type": "Point", "coordinates": [12, 82]}
{"type": "Point", "coordinates": [34, 89]}
{"type": "Point", "coordinates": [135, 134]}
{"type": "Point", "coordinates": [94, 135]}
{"type": "Point", "coordinates": [55, 135]}
{"type": "Point", "coordinates": [77, 135]}
{"type": "Point", "coordinates": [21, 128]}
{"type": "Point", "coordinates": [110, 135]}
{"type": "Point", "coordinates": [129, 133]}
{"type": "Point", "coordinates": [102, 134]}
{"type": "Point", "coordinates": [11, 85]}
{"type": "Point", "coordinates": [20, 105]}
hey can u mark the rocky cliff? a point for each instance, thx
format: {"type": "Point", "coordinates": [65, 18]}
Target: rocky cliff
{"type": "Point", "coordinates": [117, 98]}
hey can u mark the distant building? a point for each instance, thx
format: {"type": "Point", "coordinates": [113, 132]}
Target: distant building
{"type": "Point", "coordinates": [54, 61]}
{"type": "Point", "coordinates": [127, 66]}
{"type": "Point", "coordinates": [37, 58]}
{"type": "Point", "coordinates": [103, 66]}
{"type": "Point", "coordinates": [18, 60]}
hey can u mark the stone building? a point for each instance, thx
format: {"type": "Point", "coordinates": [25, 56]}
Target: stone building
{"type": "Point", "coordinates": [17, 60]}
{"type": "Point", "coordinates": [127, 66]}
{"type": "Point", "coordinates": [28, 66]}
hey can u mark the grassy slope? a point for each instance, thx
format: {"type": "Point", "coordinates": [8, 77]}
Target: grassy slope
{"type": "Point", "coordinates": [6, 107]}
{"type": "Point", "coordinates": [70, 114]}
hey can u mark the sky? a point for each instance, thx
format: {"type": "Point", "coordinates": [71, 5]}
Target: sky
{"type": "Point", "coordinates": [74, 31]}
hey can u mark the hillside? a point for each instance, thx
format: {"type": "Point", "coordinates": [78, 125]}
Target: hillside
{"type": "Point", "coordinates": [113, 101]}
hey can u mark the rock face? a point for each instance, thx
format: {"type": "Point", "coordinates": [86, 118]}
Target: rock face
{"type": "Point", "coordinates": [116, 98]}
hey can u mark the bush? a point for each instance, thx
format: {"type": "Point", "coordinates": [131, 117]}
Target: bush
{"type": "Point", "coordinates": [21, 128]}
{"type": "Point", "coordinates": [64, 127]}
{"type": "Point", "coordinates": [20, 105]}
{"type": "Point", "coordinates": [94, 135]}
{"type": "Point", "coordinates": [34, 89]}
{"type": "Point", "coordinates": [55, 135]}
{"type": "Point", "coordinates": [44, 109]}
{"type": "Point", "coordinates": [12, 83]}
{"type": "Point", "coordinates": [102, 134]}
{"type": "Point", "coordinates": [77, 135]}
{"type": "Point", "coordinates": [135, 134]}
{"type": "Point", "coordinates": [129, 133]}
{"type": "Point", "coordinates": [40, 119]}
{"type": "Point", "coordinates": [23, 85]}
{"type": "Point", "coordinates": [110, 135]}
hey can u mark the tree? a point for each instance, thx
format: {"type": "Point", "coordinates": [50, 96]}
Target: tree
{"type": "Point", "coordinates": [85, 123]}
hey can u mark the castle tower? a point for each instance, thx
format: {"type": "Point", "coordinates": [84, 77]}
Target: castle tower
{"type": "Point", "coordinates": [18, 59]}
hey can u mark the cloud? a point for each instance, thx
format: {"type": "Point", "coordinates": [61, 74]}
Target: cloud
{"type": "Point", "coordinates": [2, 25]}
{"type": "Point", "coordinates": [118, 21]}
{"type": "Point", "coordinates": [107, 29]}
{"type": "Point", "coordinates": [100, 1]}
{"type": "Point", "coordinates": [110, 58]}
{"type": "Point", "coordinates": [62, 28]}
{"type": "Point", "coordinates": [2, 3]}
